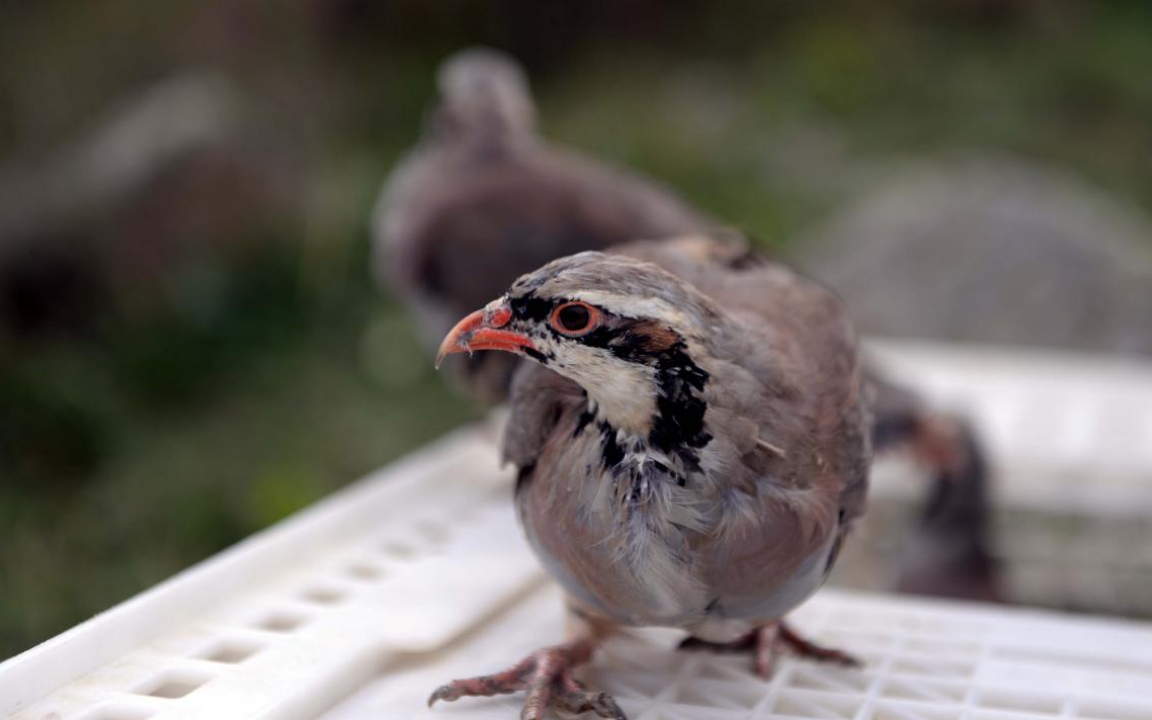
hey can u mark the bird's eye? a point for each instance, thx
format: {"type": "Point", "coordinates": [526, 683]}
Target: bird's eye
{"type": "Point", "coordinates": [575, 318]}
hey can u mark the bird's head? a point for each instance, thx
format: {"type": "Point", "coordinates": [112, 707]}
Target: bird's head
{"type": "Point", "coordinates": [484, 93]}
{"type": "Point", "coordinates": [628, 332]}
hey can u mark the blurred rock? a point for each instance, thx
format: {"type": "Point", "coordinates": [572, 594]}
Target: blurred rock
{"type": "Point", "coordinates": [991, 250]}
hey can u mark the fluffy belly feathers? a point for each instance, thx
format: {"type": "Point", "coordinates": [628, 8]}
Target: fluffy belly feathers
{"type": "Point", "coordinates": [643, 571]}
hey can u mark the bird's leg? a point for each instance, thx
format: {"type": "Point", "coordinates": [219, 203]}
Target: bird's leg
{"type": "Point", "coordinates": [547, 677]}
{"type": "Point", "coordinates": [765, 643]}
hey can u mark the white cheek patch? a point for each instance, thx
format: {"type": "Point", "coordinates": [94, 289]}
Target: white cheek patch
{"type": "Point", "coordinates": [624, 392]}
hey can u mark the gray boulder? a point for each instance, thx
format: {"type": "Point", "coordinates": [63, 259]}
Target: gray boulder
{"type": "Point", "coordinates": [991, 250]}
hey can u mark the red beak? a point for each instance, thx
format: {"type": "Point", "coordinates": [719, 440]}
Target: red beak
{"type": "Point", "coordinates": [480, 331]}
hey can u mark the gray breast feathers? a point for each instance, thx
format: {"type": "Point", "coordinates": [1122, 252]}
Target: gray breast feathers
{"type": "Point", "coordinates": [639, 540]}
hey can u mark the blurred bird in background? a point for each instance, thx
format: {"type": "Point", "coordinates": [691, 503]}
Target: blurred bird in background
{"type": "Point", "coordinates": [483, 199]}
{"type": "Point", "coordinates": [948, 553]}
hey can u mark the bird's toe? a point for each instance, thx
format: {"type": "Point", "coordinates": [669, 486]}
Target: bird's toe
{"type": "Point", "coordinates": [807, 649]}
{"type": "Point", "coordinates": [503, 683]}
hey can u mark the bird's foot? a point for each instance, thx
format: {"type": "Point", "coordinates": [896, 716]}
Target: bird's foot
{"type": "Point", "coordinates": [546, 675]}
{"type": "Point", "coordinates": [765, 643]}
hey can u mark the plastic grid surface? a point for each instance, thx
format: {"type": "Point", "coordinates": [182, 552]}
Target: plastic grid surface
{"type": "Point", "coordinates": [361, 605]}
{"type": "Point", "coordinates": [923, 661]}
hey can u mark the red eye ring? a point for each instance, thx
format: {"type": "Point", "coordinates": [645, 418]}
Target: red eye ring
{"type": "Point", "coordinates": [565, 318]}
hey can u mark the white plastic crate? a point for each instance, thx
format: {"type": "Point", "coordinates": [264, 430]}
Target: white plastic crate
{"type": "Point", "coordinates": [361, 605]}
{"type": "Point", "coordinates": [923, 661]}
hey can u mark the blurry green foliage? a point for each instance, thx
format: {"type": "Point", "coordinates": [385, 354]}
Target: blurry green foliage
{"type": "Point", "coordinates": [259, 381]}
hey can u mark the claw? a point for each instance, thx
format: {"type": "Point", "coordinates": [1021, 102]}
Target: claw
{"type": "Point", "coordinates": [444, 692]}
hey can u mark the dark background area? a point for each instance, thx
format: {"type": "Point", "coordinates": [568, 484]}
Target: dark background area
{"type": "Point", "coordinates": [190, 344]}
